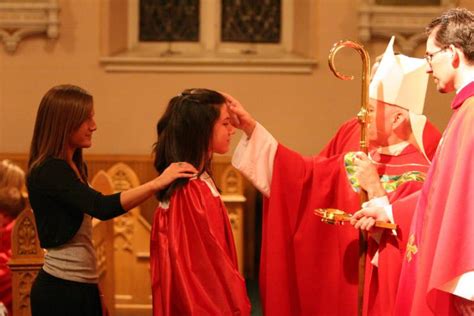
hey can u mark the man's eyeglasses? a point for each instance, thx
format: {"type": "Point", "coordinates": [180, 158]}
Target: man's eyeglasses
{"type": "Point", "coordinates": [429, 57]}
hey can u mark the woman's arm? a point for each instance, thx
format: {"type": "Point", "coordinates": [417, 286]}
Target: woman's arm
{"type": "Point", "coordinates": [56, 181]}
{"type": "Point", "coordinates": [133, 197]}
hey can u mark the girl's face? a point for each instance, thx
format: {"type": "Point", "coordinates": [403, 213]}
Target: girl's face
{"type": "Point", "coordinates": [222, 132]}
{"type": "Point", "coordinates": [82, 136]}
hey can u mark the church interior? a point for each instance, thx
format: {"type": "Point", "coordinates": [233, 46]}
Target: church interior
{"type": "Point", "coordinates": [133, 65]}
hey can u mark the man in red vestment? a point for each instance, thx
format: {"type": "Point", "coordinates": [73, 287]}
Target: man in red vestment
{"type": "Point", "coordinates": [437, 276]}
{"type": "Point", "coordinates": [308, 267]}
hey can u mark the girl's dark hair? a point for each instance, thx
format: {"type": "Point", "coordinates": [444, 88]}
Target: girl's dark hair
{"type": "Point", "coordinates": [184, 133]}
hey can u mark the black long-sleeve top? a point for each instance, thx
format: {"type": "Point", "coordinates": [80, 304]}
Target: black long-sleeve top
{"type": "Point", "coordinates": [59, 200]}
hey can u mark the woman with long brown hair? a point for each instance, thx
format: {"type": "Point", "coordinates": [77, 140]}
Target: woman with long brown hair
{"type": "Point", "coordinates": [64, 204]}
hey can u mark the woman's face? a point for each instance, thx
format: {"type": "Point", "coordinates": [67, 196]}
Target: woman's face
{"type": "Point", "coordinates": [82, 136]}
{"type": "Point", "coordinates": [222, 132]}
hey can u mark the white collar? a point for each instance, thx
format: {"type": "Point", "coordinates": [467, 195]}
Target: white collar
{"type": "Point", "coordinates": [393, 150]}
{"type": "Point", "coordinates": [464, 85]}
{"type": "Point", "coordinates": [210, 183]}
{"type": "Point", "coordinates": [206, 178]}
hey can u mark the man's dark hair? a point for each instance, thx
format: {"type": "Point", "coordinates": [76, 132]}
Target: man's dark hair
{"type": "Point", "coordinates": [455, 27]}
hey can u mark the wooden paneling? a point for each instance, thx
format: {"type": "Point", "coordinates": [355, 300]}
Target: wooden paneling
{"type": "Point", "coordinates": [128, 268]}
{"type": "Point", "coordinates": [102, 232]}
{"type": "Point", "coordinates": [27, 259]}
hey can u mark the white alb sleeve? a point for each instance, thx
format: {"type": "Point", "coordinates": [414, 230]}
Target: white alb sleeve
{"type": "Point", "coordinates": [254, 157]}
{"type": "Point", "coordinates": [462, 286]}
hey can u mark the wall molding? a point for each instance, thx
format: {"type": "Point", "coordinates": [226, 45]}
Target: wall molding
{"type": "Point", "coordinates": [19, 20]}
{"type": "Point", "coordinates": [406, 22]}
{"type": "Point", "coordinates": [139, 62]}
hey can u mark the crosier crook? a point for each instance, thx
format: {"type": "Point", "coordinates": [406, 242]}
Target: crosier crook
{"type": "Point", "coordinates": [363, 120]}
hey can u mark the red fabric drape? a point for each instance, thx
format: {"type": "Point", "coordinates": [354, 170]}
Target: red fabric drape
{"type": "Point", "coordinates": [193, 260]}
{"type": "Point", "coordinates": [308, 267]}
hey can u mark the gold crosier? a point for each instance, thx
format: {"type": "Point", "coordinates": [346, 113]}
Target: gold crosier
{"type": "Point", "coordinates": [363, 120]}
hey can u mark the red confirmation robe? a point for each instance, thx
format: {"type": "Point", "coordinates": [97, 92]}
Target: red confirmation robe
{"type": "Point", "coordinates": [5, 255]}
{"type": "Point", "coordinates": [308, 267]}
{"type": "Point", "coordinates": [439, 256]}
{"type": "Point", "coordinates": [193, 259]}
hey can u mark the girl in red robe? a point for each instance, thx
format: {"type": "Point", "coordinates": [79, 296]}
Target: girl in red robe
{"type": "Point", "coordinates": [193, 259]}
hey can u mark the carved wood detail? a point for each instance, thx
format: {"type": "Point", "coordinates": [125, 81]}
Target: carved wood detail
{"type": "Point", "coordinates": [25, 281]}
{"type": "Point", "coordinates": [102, 235]}
{"type": "Point", "coordinates": [27, 240]}
{"type": "Point", "coordinates": [124, 178]}
{"type": "Point", "coordinates": [131, 242]}
{"type": "Point", "coordinates": [26, 260]}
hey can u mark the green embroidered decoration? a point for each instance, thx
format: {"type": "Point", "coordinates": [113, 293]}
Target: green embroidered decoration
{"type": "Point", "coordinates": [389, 183]}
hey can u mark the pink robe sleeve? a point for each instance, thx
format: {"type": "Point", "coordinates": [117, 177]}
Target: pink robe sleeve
{"type": "Point", "coordinates": [443, 224]}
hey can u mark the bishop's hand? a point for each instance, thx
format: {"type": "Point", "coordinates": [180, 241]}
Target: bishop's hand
{"type": "Point", "coordinates": [368, 177]}
{"type": "Point", "coordinates": [366, 218]}
{"type": "Point", "coordinates": [240, 118]}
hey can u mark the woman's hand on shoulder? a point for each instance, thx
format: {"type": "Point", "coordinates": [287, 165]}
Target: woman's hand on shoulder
{"type": "Point", "coordinates": [174, 171]}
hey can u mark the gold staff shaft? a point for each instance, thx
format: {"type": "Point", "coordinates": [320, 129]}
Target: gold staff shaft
{"type": "Point", "coordinates": [363, 121]}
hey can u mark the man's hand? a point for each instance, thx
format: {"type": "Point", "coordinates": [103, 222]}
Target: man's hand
{"type": "Point", "coordinates": [368, 176]}
{"type": "Point", "coordinates": [365, 218]}
{"type": "Point", "coordinates": [239, 117]}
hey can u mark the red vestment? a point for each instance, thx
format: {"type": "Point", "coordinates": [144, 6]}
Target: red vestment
{"type": "Point", "coordinates": [193, 259]}
{"type": "Point", "coordinates": [441, 238]}
{"type": "Point", "coordinates": [6, 229]}
{"type": "Point", "coordinates": [308, 267]}
{"type": "Point", "coordinates": [381, 282]}
{"type": "Point", "coordinates": [346, 139]}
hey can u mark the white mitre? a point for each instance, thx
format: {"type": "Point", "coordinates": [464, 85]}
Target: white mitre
{"type": "Point", "coordinates": [401, 80]}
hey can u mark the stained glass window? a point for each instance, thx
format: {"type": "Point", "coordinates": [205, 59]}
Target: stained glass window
{"type": "Point", "coordinates": [169, 20]}
{"type": "Point", "coordinates": [251, 21]}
